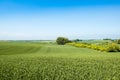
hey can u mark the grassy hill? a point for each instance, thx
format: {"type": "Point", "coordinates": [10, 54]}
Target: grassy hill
{"type": "Point", "coordinates": [8, 48]}
{"type": "Point", "coordinates": [44, 61]}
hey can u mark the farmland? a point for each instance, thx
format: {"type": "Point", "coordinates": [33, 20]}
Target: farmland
{"type": "Point", "coordinates": [49, 61]}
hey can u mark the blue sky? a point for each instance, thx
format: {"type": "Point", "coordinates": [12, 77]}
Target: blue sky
{"type": "Point", "coordinates": [48, 19]}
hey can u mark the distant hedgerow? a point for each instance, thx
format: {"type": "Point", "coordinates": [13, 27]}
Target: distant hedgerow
{"type": "Point", "coordinates": [109, 47]}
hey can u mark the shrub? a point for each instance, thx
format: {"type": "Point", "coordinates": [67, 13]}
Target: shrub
{"type": "Point", "coordinates": [118, 41]}
{"type": "Point", "coordinates": [62, 40]}
{"type": "Point", "coordinates": [113, 48]}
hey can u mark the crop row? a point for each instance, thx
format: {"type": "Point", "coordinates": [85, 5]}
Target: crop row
{"type": "Point", "coordinates": [59, 69]}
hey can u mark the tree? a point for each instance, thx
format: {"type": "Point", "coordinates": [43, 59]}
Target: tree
{"type": "Point", "coordinates": [107, 39]}
{"type": "Point", "coordinates": [62, 40]}
{"type": "Point", "coordinates": [77, 40]}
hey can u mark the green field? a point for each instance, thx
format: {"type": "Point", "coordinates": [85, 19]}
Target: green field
{"type": "Point", "coordinates": [48, 61]}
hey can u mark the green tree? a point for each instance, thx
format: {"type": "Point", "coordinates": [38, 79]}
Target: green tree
{"type": "Point", "coordinates": [77, 40]}
{"type": "Point", "coordinates": [62, 40]}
